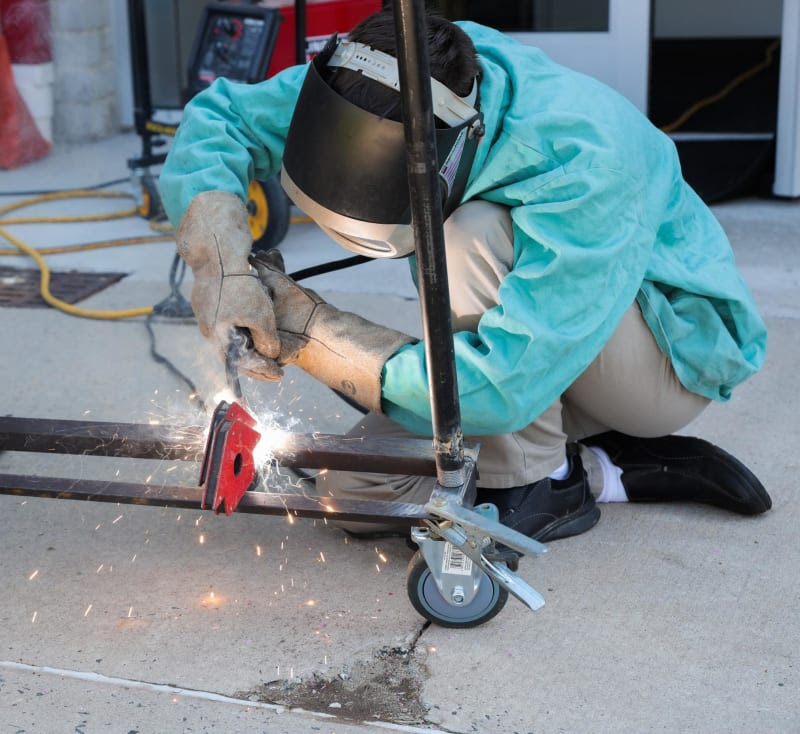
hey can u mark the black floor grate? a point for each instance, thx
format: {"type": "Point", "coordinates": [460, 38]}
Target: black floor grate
{"type": "Point", "coordinates": [20, 288]}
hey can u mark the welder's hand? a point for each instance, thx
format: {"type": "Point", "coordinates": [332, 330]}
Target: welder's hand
{"type": "Point", "coordinates": [338, 348]}
{"type": "Point", "coordinates": [214, 240]}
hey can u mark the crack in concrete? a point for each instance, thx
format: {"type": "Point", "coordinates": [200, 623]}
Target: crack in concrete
{"type": "Point", "coordinates": [385, 687]}
{"type": "Point", "coordinates": [175, 690]}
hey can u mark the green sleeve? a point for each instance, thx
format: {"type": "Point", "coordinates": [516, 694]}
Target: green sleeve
{"type": "Point", "coordinates": [229, 135]}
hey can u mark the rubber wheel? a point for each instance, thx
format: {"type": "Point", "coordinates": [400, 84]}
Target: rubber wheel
{"type": "Point", "coordinates": [268, 211]}
{"type": "Point", "coordinates": [151, 206]}
{"type": "Point", "coordinates": [428, 601]}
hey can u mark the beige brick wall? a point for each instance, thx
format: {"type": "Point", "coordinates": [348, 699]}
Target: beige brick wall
{"type": "Point", "coordinates": [85, 99]}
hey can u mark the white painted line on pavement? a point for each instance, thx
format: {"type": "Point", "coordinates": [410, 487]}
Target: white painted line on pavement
{"type": "Point", "coordinates": [204, 695]}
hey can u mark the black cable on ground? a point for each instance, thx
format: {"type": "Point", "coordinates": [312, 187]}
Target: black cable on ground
{"type": "Point", "coordinates": [194, 395]}
{"type": "Point", "coordinates": [173, 306]}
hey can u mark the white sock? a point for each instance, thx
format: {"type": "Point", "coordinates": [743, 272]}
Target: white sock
{"type": "Point", "coordinates": [562, 472]}
{"type": "Point", "coordinates": [613, 491]}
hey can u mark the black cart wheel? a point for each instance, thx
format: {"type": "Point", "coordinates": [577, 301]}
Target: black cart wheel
{"type": "Point", "coordinates": [150, 205]}
{"type": "Point", "coordinates": [267, 213]}
{"type": "Point", "coordinates": [428, 601]}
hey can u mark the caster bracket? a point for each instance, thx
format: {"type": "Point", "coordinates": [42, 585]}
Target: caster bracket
{"type": "Point", "coordinates": [471, 534]}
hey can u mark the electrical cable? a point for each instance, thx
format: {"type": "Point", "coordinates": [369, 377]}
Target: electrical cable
{"type": "Point", "coordinates": [194, 395]}
{"type": "Point", "coordinates": [44, 283]}
{"type": "Point", "coordinates": [75, 194]}
{"type": "Point", "coordinates": [101, 245]}
{"type": "Point", "coordinates": [173, 306]}
{"type": "Point", "coordinates": [102, 185]}
{"type": "Point", "coordinates": [44, 290]}
{"type": "Point", "coordinates": [329, 267]}
{"type": "Point", "coordinates": [712, 99]}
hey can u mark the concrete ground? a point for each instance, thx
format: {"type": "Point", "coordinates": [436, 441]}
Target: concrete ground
{"type": "Point", "coordinates": [140, 619]}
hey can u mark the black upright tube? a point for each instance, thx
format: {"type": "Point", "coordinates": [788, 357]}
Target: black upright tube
{"type": "Point", "coordinates": [427, 219]}
{"type": "Point", "coordinates": [142, 106]}
{"type": "Point", "coordinates": [300, 31]}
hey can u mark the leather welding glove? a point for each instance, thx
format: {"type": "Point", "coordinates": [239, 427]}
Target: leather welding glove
{"type": "Point", "coordinates": [214, 239]}
{"type": "Point", "coordinates": [338, 348]}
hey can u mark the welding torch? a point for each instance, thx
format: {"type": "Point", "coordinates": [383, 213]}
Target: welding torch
{"type": "Point", "coordinates": [239, 342]}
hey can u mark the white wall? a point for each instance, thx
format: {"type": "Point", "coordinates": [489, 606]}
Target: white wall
{"type": "Point", "coordinates": [717, 18]}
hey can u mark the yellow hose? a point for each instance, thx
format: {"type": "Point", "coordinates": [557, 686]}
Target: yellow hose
{"type": "Point", "coordinates": [682, 119]}
{"type": "Point", "coordinates": [101, 245]}
{"type": "Point", "coordinates": [44, 289]}
{"type": "Point", "coordinates": [44, 284]}
{"type": "Point", "coordinates": [55, 196]}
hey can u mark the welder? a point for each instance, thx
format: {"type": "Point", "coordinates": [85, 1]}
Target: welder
{"type": "Point", "coordinates": [596, 306]}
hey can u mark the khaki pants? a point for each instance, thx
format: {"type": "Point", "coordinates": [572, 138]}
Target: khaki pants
{"type": "Point", "coordinates": [630, 387]}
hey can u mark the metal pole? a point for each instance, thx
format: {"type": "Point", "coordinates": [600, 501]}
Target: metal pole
{"type": "Point", "coordinates": [300, 31]}
{"type": "Point", "coordinates": [426, 212]}
{"type": "Point", "coordinates": [142, 106]}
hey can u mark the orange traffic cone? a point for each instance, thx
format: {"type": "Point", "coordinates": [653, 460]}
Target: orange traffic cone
{"type": "Point", "coordinates": [20, 139]}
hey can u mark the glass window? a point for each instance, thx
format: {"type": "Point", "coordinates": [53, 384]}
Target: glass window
{"type": "Point", "coordinates": [531, 15]}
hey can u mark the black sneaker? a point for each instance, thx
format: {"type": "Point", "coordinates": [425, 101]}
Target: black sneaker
{"type": "Point", "coordinates": [548, 509]}
{"type": "Point", "coordinates": [682, 468]}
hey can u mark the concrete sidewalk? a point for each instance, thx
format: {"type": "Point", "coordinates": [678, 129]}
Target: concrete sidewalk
{"type": "Point", "coordinates": [124, 618]}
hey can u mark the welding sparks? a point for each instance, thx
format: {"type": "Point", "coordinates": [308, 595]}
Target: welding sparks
{"type": "Point", "coordinates": [100, 567]}
{"type": "Point", "coordinates": [88, 609]}
{"type": "Point", "coordinates": [33, 618]}
{"type": "Point", "coordinates": [258, 550]}
{"type": "Point", "coordinates": [130, 612]}
{"type": "Point", "coordinates": [322, 556]}
{"type": "Point", "coordinates": [310, 603]}
{"type": "Point", "coordinates": [226, 395]}
{"type": "Point", "coordinates": [201, 539]}
{"type": "Point", "coordinates": [33, 575]}
{"type": "Point", "coordinates": [114, 522]}
{"type": "Point", "coordinates": [212, 600]}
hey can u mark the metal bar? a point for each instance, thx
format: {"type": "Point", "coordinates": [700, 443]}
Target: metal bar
{"type": "Point", "coordinates": [263, 503]}
{"type": "Point", "coordinates": [94, 438]}
{"type": "Point", "coordinates": [426, 211]}
{"type": "Point", "coordinates": [410, 456]}
{"type": "Point", "coordinates": [300, 31]}
{"type": "Point", "coordinates": [140, 65]}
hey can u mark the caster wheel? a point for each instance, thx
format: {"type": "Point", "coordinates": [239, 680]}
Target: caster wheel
{"type": "Point", "coordinates": [150, 206]}
{"type": "Point", "coordinates": [267, 213]}
{"type": "Point", "coordinates": [428, 601]}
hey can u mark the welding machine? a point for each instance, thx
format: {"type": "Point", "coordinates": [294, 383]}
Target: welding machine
{"type": "Point", "coordinates": [244, 42]}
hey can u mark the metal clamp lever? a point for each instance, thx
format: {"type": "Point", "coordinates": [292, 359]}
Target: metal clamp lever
{"type": "Point", "coordinates": [471, 532]}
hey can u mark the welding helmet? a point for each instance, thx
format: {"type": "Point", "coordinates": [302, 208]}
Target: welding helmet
{"type": "Point", "coordinates": [346, 167]}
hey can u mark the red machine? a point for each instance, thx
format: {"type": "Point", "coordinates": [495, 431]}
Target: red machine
{"type": "Point", "coordinates": [322, 19]}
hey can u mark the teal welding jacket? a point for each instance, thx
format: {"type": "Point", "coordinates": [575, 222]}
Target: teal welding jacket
{"type": "Point", "coordinates": [601, 218]}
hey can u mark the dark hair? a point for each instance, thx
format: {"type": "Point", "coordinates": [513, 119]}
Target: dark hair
{"type": "Point", "coordinates": [452, 56]}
